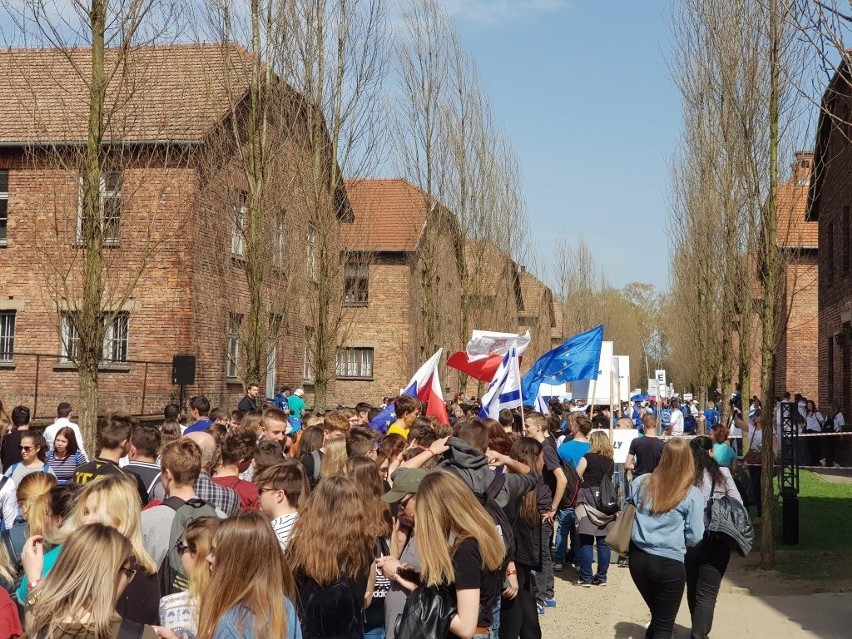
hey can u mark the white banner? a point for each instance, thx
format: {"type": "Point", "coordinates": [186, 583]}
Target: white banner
{"type": "Point", "coordinates": [621, 438]}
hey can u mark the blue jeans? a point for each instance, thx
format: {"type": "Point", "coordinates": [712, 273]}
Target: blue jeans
{"type": "Point", "coordinates": [587, 543]}
{"type": "Point", "coordinates": [375, 633]}
{"type": "Point", "coordinates": [565, 529]}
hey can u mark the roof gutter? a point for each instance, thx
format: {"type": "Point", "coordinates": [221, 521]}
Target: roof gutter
{"type": "Point", "coordinates": [41, 143]}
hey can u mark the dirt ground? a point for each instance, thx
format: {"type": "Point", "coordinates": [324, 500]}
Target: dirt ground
{"type": "Point", "coordinates": [752, 603]}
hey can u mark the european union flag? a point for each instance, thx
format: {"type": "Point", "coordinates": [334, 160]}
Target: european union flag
{"type": "Point", "coordinates": [576, 358]}
{"type": "Point", "coordinates": [384, 420]}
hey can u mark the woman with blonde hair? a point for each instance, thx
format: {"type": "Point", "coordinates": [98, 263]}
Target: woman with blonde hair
{"type": "Point", "coordinates": [459, 546]}
{"type": "Point", "coordinates": [33, 496]}
{"type": "Point", "coordinates": [78, 597]}
{"type": "Point", "coordinates": [594, 468]}
{"type": "Point", "coordinates": [179, 612]}
{"type": "Point", "coordinates": [334, 460]}
{"type": "Point", "coordinates": [249, 584]}
{"type": "Point", "coordinates": [331, 552]}
{"type": "Point", "coordinates": [112, 500]}
{"type": "Point", "coordinates": [669, 518]}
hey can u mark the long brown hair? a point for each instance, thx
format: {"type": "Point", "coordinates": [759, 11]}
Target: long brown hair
{"type": "Point", "coordinates": [670, 482]}
{"type": "Point", "coordinates": [250, 572]}
{"type": "Point", "coordinates": [528, 451]}
{"type": "Point", "coordinates": [198, 535]}
{"type": "Point", "coordinates": [332, 537]}
{"type": "Point", "coordinates": [364, 472]}
{"type": "Point", "coordinates": [445, 505]}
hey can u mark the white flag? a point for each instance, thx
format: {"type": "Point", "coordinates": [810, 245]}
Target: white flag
{"type": "Point", "coordinates": [488, 343]}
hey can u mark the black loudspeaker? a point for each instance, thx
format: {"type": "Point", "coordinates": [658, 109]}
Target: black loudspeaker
{"type": "Point", "coordinates": [183, 370]}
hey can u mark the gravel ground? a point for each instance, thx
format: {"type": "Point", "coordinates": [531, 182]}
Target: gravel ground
{"type": "Point", "coordinates": [615, 610]}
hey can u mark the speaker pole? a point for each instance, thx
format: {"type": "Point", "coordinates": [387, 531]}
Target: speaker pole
{"type": "Point", "coordinates": [182, 393]}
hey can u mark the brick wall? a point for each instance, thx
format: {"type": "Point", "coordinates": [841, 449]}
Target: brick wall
{"type": "Point", "coordinates": [41, 264]}
{"type": "Point", "coordinates": [835, 278]}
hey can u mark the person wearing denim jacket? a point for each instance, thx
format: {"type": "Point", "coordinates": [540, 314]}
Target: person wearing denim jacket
{"type": "Point", "coordinates": [662, 532]}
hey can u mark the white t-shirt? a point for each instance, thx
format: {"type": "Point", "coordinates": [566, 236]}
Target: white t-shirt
{"type": "Point", "coordinates": [839, 422]}
{"type": "Point", "coordinates": [9, 502]}
{"type": "Point", "coordinates": [813, 422]}
{"type": "Point", "coordinates": [676, 423]}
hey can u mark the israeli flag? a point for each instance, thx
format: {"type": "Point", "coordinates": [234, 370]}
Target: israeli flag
{"type": "Point", "coordinates": [505, 388]}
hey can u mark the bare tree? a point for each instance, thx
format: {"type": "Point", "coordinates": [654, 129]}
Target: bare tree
{"type": "Point", "coordinates": [89, 276]}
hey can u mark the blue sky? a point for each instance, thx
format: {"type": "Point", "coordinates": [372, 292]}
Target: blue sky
{"type": "Point", "coordinates": [584, 90]}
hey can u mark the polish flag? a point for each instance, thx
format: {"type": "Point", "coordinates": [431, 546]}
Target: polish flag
{"type": "Point", "coordinates": [485, 352]}
{"type": "Point", "coordinates": [426, 387]}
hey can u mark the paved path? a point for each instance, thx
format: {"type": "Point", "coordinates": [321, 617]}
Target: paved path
{"type": "Point", "coordinates": [617, 611]}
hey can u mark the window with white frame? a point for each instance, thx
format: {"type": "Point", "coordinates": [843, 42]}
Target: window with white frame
{"type": "Point", "coordinates": [355, 363]}
{"type": "Point", "coordinates": [235, 320]}
{"type": "Point", "coordinates": [70, 338]}
{"type": "Point", "coordinates": [308, 369]}
{"type": "Point", "coordinates": [312, 252]}
{"type": "Point", "coordinates": [110, 205]}
{"type": "Point", "coordinates": [4, 205]}
{"type": "Point", "coordinates": [356, 284]}
{"type": "Point", "coordinates": [238, 238]}
{"type": "Point", "coordinates": [7, 336]}
{"type": "Point", "coordinates": [116, 338]}
{"type": "Point", "coordinates": [278, 241]}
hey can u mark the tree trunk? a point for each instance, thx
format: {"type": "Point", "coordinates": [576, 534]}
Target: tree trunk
{"type": "Point", "coordinates": [86, 317]}
{"type": "Point", "coordinates": [770, 263]}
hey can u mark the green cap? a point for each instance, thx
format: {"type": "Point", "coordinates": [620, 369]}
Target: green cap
{"type": "Point", "coordinates": [406, 482]}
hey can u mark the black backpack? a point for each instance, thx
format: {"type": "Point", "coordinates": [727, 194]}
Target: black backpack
{"type": "Point", "coordinates": [170, 573]}
{"type": "Point", "coordinates": [828, 424]}
{"type": "Point", "coordinates": [427, 613]}
{"type": "Point", "coordinates": [608, 497]}
{"type": "Point", "coordinates": [572, 490]}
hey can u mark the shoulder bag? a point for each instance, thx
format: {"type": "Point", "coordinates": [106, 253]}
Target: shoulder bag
{"type": "Point", "coordinates": [753, 457]}
{"type": "Point", "coordinates": [618, 538]}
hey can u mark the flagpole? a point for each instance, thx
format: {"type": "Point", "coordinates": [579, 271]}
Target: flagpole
{"type": "Point", "coordinates": [521, 395]}
{"type": "Point", "coordinates": [611, 386]}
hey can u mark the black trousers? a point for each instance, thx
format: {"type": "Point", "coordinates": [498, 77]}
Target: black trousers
{"type": "Point", "coordinates": [705, 564]}
{"type": "Point", "coordinates": [660, 582]}
{"type": "Point", "coordinates": [518, 616]}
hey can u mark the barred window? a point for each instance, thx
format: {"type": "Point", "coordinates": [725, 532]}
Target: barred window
{"type": "Point", "coordinates": [238, 239]}
{"type": "Point", "coordinates": [355, 363]}
{"type": "Point", "coordinates": [235, 320]}
{"type": "Point", "coordinates": [110, 202]}
{"type": "Point", "coordinates": [116, 338]}
{"type": "Point", "coordinates": [7, 336]}
{"type": "Point", "coordinates": [4, 205]}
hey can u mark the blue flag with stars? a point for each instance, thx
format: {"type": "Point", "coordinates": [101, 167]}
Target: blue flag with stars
{"type": "Point", "coordinates": [384, 420]}
{"type": "Point", "coordinates": [576, 358]}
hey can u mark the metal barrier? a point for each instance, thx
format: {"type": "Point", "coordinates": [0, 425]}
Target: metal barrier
{"type": "Point", "coordinates": [43, 380]}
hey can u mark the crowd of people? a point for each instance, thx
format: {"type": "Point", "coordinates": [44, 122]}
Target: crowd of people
{"type": "Point", "coordinates": [271, 521]}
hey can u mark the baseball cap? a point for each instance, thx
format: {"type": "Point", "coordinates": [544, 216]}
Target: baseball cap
{"type": "Point", "coordinates": [299, 392]}
{"type": "Point", "coordinates": [406, 482]}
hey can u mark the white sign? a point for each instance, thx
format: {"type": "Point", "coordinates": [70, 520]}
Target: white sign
{"type": "Point", "coordinates": [621, 438]}
{"type": "Point", "coordinates": [583, 388]}
{"type": "Point", "coordinates": [652, 387]}
{"type": "Point", "coordinates": [621, 365]}
{"type": "Point", "coordinates": [687, 397]}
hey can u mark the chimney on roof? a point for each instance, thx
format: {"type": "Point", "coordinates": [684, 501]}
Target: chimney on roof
{"type": "Point", "coordinates": [523, 269]}
{"type": "Point", "coordinates": [802, 167]}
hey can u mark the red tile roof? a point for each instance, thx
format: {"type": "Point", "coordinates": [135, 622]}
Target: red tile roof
{"type": "Point", "coordinates": [793, 229]}
{"type": "Point", "coordinates": [175, 92]}
{"type": "Point", "coordinates": [390, 215]}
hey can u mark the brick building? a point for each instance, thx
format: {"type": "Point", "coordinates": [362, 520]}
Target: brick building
{"type": "Point", "coordinates": [385, 249]}
{"type": "Point", "coordinates": [829, 200]}
{"type": "Point", "coordinates": [169, 222]}
{"type": "Point", "coordinates": [796, 361]}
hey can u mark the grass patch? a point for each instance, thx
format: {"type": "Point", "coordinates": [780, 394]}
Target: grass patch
{"type": "Point", "coordinates": [825, 543]}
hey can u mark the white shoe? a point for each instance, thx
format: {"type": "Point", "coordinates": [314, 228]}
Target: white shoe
{"type": "Point", "coordinates": [557, 567]}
